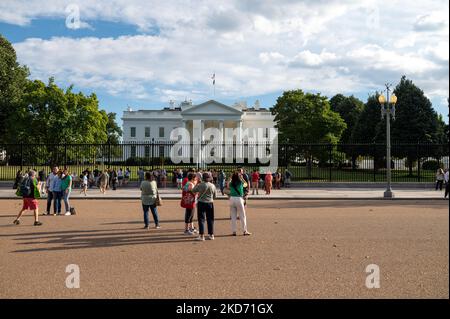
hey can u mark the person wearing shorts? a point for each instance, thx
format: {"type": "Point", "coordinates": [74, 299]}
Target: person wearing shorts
{"type": "Point", "coordinates": [30, 202]}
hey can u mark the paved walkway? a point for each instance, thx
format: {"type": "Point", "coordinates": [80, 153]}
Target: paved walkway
{"type": "Point", "coordinates": [291, 193]}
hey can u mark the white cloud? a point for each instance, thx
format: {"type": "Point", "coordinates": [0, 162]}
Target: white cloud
{"type": "Point", "coordinates": [255, 47]}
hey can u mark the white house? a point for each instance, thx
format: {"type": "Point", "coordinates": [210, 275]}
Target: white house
{"type": "Point", "coordinates": [147, 125]}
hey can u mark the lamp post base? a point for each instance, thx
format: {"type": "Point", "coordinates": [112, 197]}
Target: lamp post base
{"type": "Point", "coordinates": [388, 193]}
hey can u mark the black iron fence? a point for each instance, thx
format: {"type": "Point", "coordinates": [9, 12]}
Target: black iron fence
{"type": "Point", "coordinates": [364, 162]}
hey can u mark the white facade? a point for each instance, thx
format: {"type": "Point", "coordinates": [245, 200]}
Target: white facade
{"type": "Point", "coordinates": [156, 125]}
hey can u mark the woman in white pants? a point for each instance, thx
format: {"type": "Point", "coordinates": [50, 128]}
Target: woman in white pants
{"type": "Point", "coordinates": [237, 206]}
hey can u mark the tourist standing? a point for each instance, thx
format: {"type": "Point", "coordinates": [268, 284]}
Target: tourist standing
{"type": "Point", "coordinates": [127, 176]}
{"type": "Point", "coordinates": [103, 179]}
{"type": "Point", "coordinates": [205, 206]}
{"type": "Point", "coordinates": [222, 179]}
{"type": "Point", "coordinates": [439, 178]}
{"type": "Point", "coordinates": [278, 179]}
{"type": "Point", "coordinates": [42, 179]}
{"type": "Point", "coordinates": [120, 176]}
{"type": "Point", "coordinates": [255, 181]}
{"type": "Point", "coordinates": [287, 178]}
{"type": "Point", "coordinates": [141, 175]}
{"type": "Point", "coordinates": [179, 178]}
{"type": "Point", "coordinates": [188, 202]}
{"type": "Point", "coordinates": [84, 183]}
{"type": "Point", "coordinates": [149, 192]}
{"type": "Point", "coordinates": [268, 182]}
{"type": "Point", "coordinates": [49, 188]}
{"type": "Point", "coordinates": [28, 189]}
{"type": "Point", "coordinates": [237, 200]}
{"type": "Point", "coordinates": [66, 188]}
{"type": "Point", "coordinates": [57, 193]}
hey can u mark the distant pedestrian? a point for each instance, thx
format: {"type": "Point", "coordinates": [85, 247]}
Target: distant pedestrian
{"type": "Point", "coordinates": [149, 192]}
{"type": "Point", "coordinates": [255, 182]}
{"type": "Point", "coordinates": [268, 182]}
{"type": "Point", "coordinates": [103, 180]}
{"type": "Point", "coordinates": [120, 176]}
{"type": "Point", "coordinates": [222, 180]}
{"type": "Point", "coordinates": [28, 189]}
{"type": "Point", "coordinates": [141, 175]}
{"type": "Point", "coordinates": [42, 180]}
{"type": "Point", "coordinates": [205, 206]}
{"type": "Point", "coordinates": [439, 178]}
{"type": "Point", "coordinates": [49, 188]}
{"type": "Point", "coordinates": [179, 178]}
{"type": "Point", "coordinates": [237, 206]}
{"type": "Point", "coordinates": [287, 178]}
{"type": "Point", "coordinates": [127, 176]}
{"type": "Point", "coordinates": [277, 179]}
{"type": "Point", "coordinates": [84, 183]}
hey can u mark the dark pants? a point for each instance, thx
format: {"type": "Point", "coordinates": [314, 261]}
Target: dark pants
{"type": "Point", "coordinates": [439, 185]}
{"type": "Point", "coordinates": [446, 189]}
{"type": "Point", "coordinates": [205, 211]}
{"type": "Point", "coordinates": [189, 215]}
{"type": "Point", "coordinates": [57, 196]}
{"type": "Point", "coordinates": [154, 213]}
{"type": "Point", "coordinates": [49, 201]}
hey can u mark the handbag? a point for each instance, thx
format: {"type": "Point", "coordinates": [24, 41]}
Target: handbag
{"type": "Point", "coordinates": [158, 201]}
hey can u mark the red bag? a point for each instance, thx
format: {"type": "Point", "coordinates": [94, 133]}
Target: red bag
{"type": "Point", "coordinates": [187, 198]}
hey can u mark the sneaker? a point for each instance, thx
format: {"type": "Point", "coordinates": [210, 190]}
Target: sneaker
{"type": "Point", "coordinates": [146, 227]}
{"type": "Point", "coordinates": [16, 222]}
{"type": "Point", "coordinates": [37, 223]}
{"type": "Point", "coordinates": [200, 238]}
{"type": "Point", "coordinates": [194, 230]}
{"type": "Point", "coordinates": [67, 214]}
{"type": "Point", "coordinates": [188, 232]}
{"type": "Point", "coordinates": [247, 233]}
{"type": "Point", "coordinates": [210, 237]}
{"type": "Point", "coordinates": [157, 227]}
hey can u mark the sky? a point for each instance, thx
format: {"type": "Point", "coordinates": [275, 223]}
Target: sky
{"type": "Point", "coordinates": [142, 54]}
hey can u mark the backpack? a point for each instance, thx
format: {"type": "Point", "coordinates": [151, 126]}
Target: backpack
{"type": "Point", "coordinates": [25, 187]}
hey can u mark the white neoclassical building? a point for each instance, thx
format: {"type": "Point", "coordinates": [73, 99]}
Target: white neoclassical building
{"type": "Point", "coordinates": [156, 125]}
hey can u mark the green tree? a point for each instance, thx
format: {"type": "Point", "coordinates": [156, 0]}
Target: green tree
{"type": "Point", "coordinates": [415, 121]}
{"type": "Point", "coordinates": [349, 108]}
{"type": "Point", "coordinates": [113, 130]}
{"type": "Point", "coordinates": [307, 118]}
{"type": "Point", "coordinates": [12, 81]}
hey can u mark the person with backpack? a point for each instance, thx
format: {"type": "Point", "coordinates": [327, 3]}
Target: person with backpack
{"type": "Point", "coordinates": [18, 180]}
{"type": "Point", "coordinates": [66, 189]}
{"type": "Point", "coordinates": [236, 193]}
{"type": "Point", "coordinates": [29, 191]}
{"type": "Point", "coordinates": [188, 199]}
{"type": "Point", "coordinates": [205, 206]}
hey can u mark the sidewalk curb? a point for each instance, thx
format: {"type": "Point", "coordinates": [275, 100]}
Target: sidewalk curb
{"type": "Point", "coordinates": [257, 199]}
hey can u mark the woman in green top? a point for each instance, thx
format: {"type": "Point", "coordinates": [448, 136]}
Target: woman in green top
{"type": "Point", "coordinates": [149, 191]}
{"type": "Point", "coordinates": [66, 187]}
{"type": "Point", "coordinates": [237, 185]}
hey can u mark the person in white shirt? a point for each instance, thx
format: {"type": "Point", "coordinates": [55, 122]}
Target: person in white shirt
{"type": "Point", "coordinates": [49, 188]}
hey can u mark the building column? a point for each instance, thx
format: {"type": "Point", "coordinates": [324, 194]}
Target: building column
{"type": "Point", "coordinates": [221, 129]}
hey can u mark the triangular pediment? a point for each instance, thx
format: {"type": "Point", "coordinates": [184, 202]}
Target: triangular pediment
{"type": "Point", "coordinates": [211, 107]}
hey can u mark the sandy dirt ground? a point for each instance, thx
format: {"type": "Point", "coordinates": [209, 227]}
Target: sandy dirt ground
{"type": "Point", "coordinates": [299, 249]}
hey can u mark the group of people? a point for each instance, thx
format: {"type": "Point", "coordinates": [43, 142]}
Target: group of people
{"type": "Point", "coordinates": [198, 193]}
{"type": "Point", "coordinates": [57, 185]}
{"type": "Point", "coordinates": [442, 180]}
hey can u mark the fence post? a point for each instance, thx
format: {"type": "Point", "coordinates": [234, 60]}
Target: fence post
{"type": "Point", "coordinates": [21, 156]}
{"type": "Point", "coordinates": [109, 153]}
{"type": "Point", "coordinates": [330, 159]}
{"type": "Point", "coordinates": [418, 161]}
{"type": "Point", "coordinates": [374, 162]}
{"type": "Point", "coordinates": [65, 155]}
{"type": "Point", "coordinates": [152, 152]}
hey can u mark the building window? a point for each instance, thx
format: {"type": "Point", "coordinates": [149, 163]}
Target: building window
{"type": "Point", "coordinates": [161, 151]}
{"type": "Point", "coordinates": [147, 132]}
{"type": "Point", "coordinates": [147, 151]}
{"type": "Point", "coordinates": [133, 150]}
{"type": "Point", "coordinates": [132, 131]}
{"type": "Point", "coordinates": [161, 132]}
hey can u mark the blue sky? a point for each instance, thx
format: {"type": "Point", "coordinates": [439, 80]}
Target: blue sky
{"type": "Point", "coordinates": [144, 53]}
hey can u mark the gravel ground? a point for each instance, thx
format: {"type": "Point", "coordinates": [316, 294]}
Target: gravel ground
{"type": "Point", "coordinates": [299, 249]}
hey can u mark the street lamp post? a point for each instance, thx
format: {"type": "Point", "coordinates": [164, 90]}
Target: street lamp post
{"type": "Point", "coordinates": [388, 110]}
